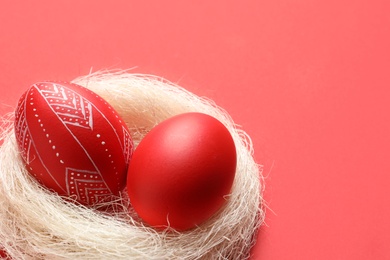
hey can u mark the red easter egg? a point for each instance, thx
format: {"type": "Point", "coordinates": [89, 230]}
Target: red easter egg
{"type": "Point", "coordinates": [182, 171]}
{"type": "Point", "coordinates": [73, 142]}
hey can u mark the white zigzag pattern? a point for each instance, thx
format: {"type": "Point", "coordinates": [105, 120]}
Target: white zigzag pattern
{"type": "Point", "coordinates": [22, 132]}
{"type": "Point", "coordinates": [87, 186]}
{"type": "Point", "coordinates": [70, 106]}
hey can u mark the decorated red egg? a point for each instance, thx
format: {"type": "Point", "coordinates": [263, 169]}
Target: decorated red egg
{"type": "Point", "coordinates": [73, 142]}
{"type": "Point", "coordinates": [182, 171]}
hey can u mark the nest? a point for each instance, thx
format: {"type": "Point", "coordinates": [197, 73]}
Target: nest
{"type": "Point", "coordinates": [38, 224]}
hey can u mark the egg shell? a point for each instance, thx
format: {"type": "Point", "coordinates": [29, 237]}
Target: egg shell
{"type": "Point", "coordinates": [182, 171]}
{"type": "Point", "coordinates": [73, 142]}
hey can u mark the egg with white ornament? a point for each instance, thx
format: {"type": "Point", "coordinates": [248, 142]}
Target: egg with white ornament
{"type": "Point", "coordinates": [73, 142]}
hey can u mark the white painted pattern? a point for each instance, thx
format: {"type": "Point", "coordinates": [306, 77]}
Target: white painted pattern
{"type": "Point", "coordinates": [87, 186]}
{"type": "Point", "coordinates": [71, 107]}
{"type": "Point", "coordinates": [22, 130]}
{"type": "Point", "coordinates": [23, 136]}
{"type": "Point", "coordinates": [127, 144]}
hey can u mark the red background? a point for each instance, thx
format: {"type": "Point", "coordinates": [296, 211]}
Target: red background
{"type": "Point", "coordinates": [308, 80]}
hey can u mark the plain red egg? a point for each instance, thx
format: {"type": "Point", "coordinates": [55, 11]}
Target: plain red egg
{"type": "Point", "coordinates": [73, 142]}
{"type": "Point", "coordinates": [182, 171]}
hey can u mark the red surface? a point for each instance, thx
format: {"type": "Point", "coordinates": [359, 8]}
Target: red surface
{"type": "Point", "coordinates": [308, 80]}
{"type": "Point", "coordinates": [182, 171]}
{"type": "Point", "coordinates": [73, 142]}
